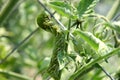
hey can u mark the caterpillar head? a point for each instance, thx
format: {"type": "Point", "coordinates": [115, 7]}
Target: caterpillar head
{"type": "Point", "coordinates": [44, 21]}
{"type": "Point", "coordinates": [41, 19]}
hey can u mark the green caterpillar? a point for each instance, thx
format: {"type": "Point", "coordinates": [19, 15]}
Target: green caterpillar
{"type": "Point", "coordinates": [44, 22]}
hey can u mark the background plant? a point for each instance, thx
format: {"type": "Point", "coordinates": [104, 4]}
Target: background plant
{"type": "Point", "coordinates": [34, 55]}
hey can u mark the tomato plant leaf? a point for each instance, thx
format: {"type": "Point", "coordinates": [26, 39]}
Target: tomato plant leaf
{"type": "Point", "coordinates": [115, 26]}
{"type": "Point", "coordinates": [93, 41]}
{"type": "Point", "coordinates": [63, 8]}
{"type": "Point", "coordinates": [86, 7]}
{"type": "Point", "coordinates": [62, 60]}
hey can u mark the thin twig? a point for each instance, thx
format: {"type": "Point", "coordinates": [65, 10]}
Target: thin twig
{"type": "Point", "coordinates": [17, 46]}
{"type": "Point", "coordinates": [107, 74]}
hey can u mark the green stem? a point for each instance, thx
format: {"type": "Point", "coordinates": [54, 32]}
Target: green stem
{"type": "Point", "coordinates": [7, 10]}
{"type": "Point", "coordinates": [107, 74]}
{"type": "Point", "coordinates": [12, 74]}
{"type": "Point", "coordinates": [87, 66]}
{"type": "Point", "coordinates": [69, 25]}
{"type": "Point", "coordinates": [113, 10]}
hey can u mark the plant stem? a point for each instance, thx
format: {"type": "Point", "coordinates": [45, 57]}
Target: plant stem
{"type": "Point", "coordinates": [69, 25]}
{"type": "Point", "coordinates": [107, 74]}
{"type": "Point", "coordinates": [87, 66]}
{"type": "Point", "coordinates": [12, 74]}
{"type": "Point", "coordinates": [113, 10]}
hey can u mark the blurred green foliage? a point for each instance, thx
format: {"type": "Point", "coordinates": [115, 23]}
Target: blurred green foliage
{"type": "Point", "coordinates": [33, 57]}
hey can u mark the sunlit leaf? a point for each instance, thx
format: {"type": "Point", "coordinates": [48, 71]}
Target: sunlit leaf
{"type": "Point", "coordinates": [63, 8]}
{"type": "Point", "coordinates": [86, 7]}
{"type": "Point", "coordinates": [68, 70]}
{"type": "Point", "coordinates": [63, 60]}
{"type": "Point", "coordinates": [81, 70]}
{"type": "Point", "coordinates": [94, 42]}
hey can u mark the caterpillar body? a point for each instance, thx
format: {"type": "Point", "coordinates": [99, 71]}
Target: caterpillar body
{"type": "Point", "coordinates": [44, 22]}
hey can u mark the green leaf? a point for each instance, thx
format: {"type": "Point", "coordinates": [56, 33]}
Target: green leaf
{"type": "Point", "coordinates": [69, 69]}
{"type": "Point", "coordinates": [86, 7]}
{"type": "Point", "coordinates": [115, 26]}
{"type": "Point", "coordinates": [63, 8]}
{"type": "Point", "coordinates": [62, 59]}
{"type": "Point", "coordinates": [94, 42]}
{"type": "Point", "coordinates": [80, 71]}
{"type": "Point", "coordinates": [81, 47]}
